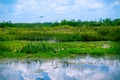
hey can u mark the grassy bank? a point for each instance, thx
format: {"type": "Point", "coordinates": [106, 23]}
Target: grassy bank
{"type": "Point", "coordinates": [37, 49]}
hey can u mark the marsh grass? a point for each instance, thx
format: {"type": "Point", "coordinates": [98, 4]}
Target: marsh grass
{"type": "Point", "coordinates": [61, 33]}
{"type": "Point", "coordinates": [59, 41]}
{"type": "Point", "coordinates": [35, 48]}
{"type": "Point", "coordinates": [57, 49]}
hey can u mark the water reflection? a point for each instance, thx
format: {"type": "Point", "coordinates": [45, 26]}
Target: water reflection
{"type": "Point", "coordinates": [83, 68]}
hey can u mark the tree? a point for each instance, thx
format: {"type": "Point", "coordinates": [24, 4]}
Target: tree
{"type": "Point", "coordinates": [2, 25]}
{"type": "Point", "coordinates": [64, 22]}
{"type": "Point", "coordinates": [116, 22]}
{"type": "Point", "coordinates": [107, 22]}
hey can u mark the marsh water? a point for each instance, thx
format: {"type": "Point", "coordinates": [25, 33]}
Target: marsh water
{"type": "Point", "coordinates": [80, 68]}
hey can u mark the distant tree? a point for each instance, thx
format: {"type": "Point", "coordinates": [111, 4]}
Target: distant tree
{"type": "Point", "coordinates": [6, 24]}
{"type": "Point", "coordinates": [1, 26]}
{"type": "Point", "coordinates": [116, 22]}
{"type": "Point", "coordinates": [63, 22]}
{"type": "Point", "coordinates": [79, 23]}
{"type": "Point", "coordinates": [72, 23]}
{"type": "Point", "coordinates": [55, 24]}
{"type": "Point", "coordinates": [100, 22]}
{"type": "Point", "coordinates": [85, 23]}
{"type": "Point", "coordinates": [107, 22]}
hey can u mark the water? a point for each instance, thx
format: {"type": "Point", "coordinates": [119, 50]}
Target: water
{"type": "Point", "coordinates": [82, 68]}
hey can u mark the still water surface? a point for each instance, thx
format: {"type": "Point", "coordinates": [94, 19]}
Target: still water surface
{"type": "Point", "coordinates": [82, 68]}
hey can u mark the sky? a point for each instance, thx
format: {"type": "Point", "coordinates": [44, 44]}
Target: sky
{"type": "Point", "coordinates": [29, 11]}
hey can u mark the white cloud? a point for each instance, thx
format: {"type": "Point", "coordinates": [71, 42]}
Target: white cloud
{"type": "Point", "coordinates": [57, 6]}
{"type": "Point", "coordinates": [25, 6]}
{"type": "Point", "coordinates": [53, 10]}
{"type": "Point", "coordinates": [90, 4]}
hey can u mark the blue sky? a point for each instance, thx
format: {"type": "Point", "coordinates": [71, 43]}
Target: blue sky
{"type": "Point", "coordinates": [56, 10]}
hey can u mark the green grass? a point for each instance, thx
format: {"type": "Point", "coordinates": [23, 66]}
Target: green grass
{"type": "Point", "coordinates": [59, 41]}
{"type": "Point", "coordinates": [61, 33]}
{"type": "Point", "coordinates": [38, 49]}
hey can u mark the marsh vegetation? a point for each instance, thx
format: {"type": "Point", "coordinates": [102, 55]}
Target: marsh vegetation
{"type": "Point", "coordinates": [60, 39]}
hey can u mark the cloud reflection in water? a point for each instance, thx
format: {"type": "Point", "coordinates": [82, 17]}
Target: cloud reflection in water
{"type": "Point", "coordinates": [85, 68]}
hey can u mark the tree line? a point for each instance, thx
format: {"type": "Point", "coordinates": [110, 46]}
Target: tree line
{"type": "Point", "coordinates": [77, 23]}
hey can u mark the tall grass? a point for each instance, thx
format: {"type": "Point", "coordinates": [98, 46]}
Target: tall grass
{"type": "Point", "coordinates": [62, 34]}
{"type": "Point", "coordinates": [35, 48]}
{"type": "Point", "coordinates": [63, 49]}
